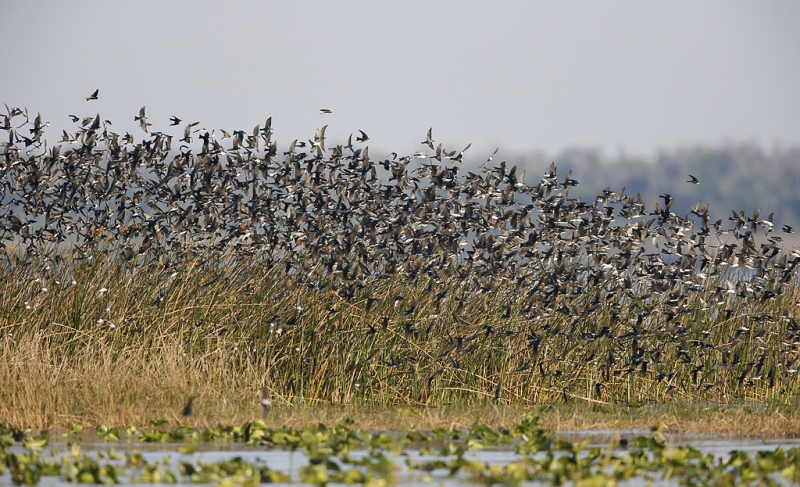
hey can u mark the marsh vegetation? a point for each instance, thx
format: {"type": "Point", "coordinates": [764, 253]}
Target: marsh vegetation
{"type": "Point", "coordinates": [137, 275]}
{"type": "Point", "coordinates": [319, 455]}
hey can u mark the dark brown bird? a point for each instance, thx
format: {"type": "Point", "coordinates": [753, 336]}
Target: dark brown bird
{"type": "Point", "coordinates": [187, 409]}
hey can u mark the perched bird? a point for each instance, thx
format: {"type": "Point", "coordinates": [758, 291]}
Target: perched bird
{"type": "Point", "coordinates": [265, 402]}
{"type": "Point", "coordinates": [93, 96]}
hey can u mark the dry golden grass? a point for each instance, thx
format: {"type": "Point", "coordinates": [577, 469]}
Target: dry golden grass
{"type": "Point", "coordinates": [109, 385]}
{"type": "Point", "coordinates": [707, 421]}
{"type": "Point", "coordinates": [112, 387]}
{"type": "Point", "coordinates": [127, 344]}
{"type": "Point", "coordinates": [47, 409]}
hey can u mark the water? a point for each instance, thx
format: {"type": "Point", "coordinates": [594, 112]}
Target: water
{"type": "Point", "coordinates": [290, 463]}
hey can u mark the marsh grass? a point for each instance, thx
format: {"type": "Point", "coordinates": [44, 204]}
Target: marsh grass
{"type": "Point", "coordinates": [137, 283]}
{"type": "Point", "coordinates": [109, 340]}
{"type": "Point", "coordinates": [105, 340]}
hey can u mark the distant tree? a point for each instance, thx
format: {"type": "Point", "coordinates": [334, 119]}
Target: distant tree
{"type": "Point", "coordinates": [732, 177]}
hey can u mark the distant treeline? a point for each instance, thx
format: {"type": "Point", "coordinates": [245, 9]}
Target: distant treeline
{"type": "Point", "coordinates": [732, 177]}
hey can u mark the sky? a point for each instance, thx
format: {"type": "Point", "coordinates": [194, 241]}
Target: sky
{"type": "Point", "coordinates": [624, 76]}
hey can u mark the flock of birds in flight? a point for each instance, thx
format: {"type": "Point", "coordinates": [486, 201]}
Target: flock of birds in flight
{"type": "Point", "coordinates": [336, 212]}
{"type": "Point", "coordinates": [337, 218]}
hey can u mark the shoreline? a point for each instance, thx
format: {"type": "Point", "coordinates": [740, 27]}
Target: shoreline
{"type": "Point", "coordinates": [679, 420]}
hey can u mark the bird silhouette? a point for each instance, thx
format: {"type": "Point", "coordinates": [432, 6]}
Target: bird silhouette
{"type": "Point", "coordinates": [187, 409]}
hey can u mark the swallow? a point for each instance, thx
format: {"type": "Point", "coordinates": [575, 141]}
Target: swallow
{"type": "Point", "coordinates": [324, 111]}
{"type": "Point", "coordinates": [429, 139]}
{"type": "Point", "coordinates": [364, 137]}
{"type": "Point", "coordinates": [461, 154]}
{"type": "Point", "coordinates": [175, 120]}
{"type": "Point", "coordinates": [93, 96]}
{"type": "Point", "coordinates": [490, 157]}
{"type": "Point", "coordinates": [142, 119]}
{"type": "Point", "coordinates": [694, 180]}
{"type": "Point", "coordinates": [187, 132]}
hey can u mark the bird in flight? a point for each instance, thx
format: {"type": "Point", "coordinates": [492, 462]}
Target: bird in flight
{"type": "Point", "coordinates": [491, 157]}
{"type": "Point", "coordinates": [461, 154]}
{"type": "Point", "coordinates": [364, 137]}
{"type": "Point", "coordinates": [694, 180]}
{"type": "Point", "coordinates": [429, 139]}
{"type": "Point", "coordinates": [787, 229]}
{"type": "Point", "coordinates": [93, 96]}
{"type": "Point", "coordinates": [142, 119]}
{"type": "Point", "coordinates": [175, 120]}
{"type": "Point", "coordinates": [324, 111]}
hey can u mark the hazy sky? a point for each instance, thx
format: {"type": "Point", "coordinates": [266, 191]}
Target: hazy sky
{"type": "Point", "coordinates": [521, 75]}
